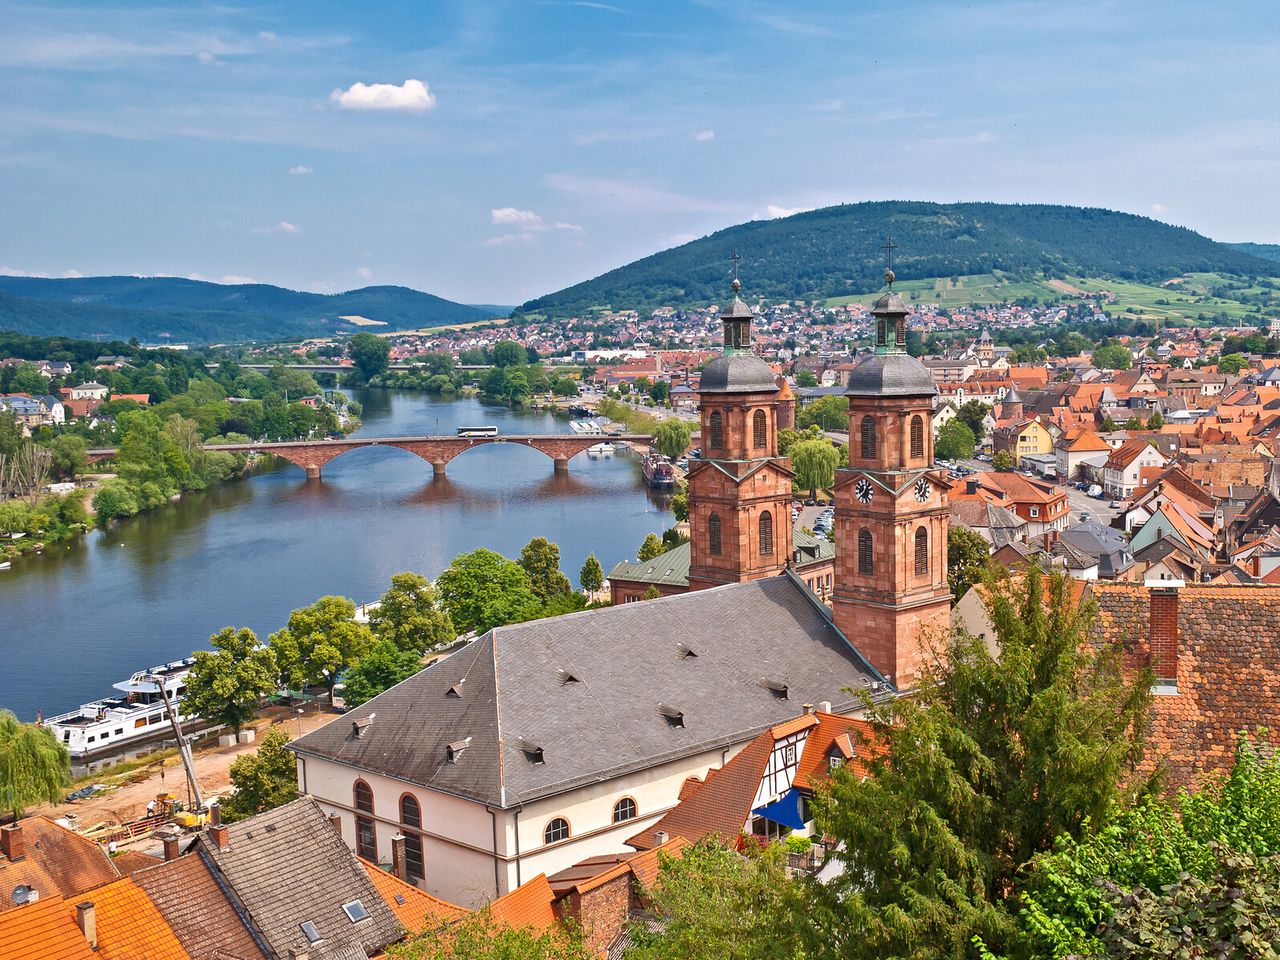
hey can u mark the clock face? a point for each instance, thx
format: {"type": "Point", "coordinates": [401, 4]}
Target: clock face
{"type": "Point", "coordinates": [922, 490]}
{"type": "Point", "coordinates": [863, 490]}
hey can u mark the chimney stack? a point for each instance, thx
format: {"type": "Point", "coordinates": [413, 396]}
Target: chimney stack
{"type": "Point", "coordinates": [171, 848]}
{"type": "Point", "coordinates": [1163, 635]}
{"type": "Point", "coordinates": [808, 709]}
{"type": "Point", "coordinates": [87, 921]}
{"type": "Point", "coordinates": [11, 842]}
{"type": "Point", "coordinates": [215, 815]}
{"type": "Point", "coordinates": [824, 706]}
{"type": "Point", "coordinates": [218, 835]}
{"type": "Point", "coordinates": [399, 862]}
{"type": "Point", "coordinates": [335, 821]}
{"type": "Point", "coordinates": [659, 837]}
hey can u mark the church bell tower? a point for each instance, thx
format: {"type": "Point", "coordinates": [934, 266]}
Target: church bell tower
{"type": "Point", "coordinates": [891, 597]}
{"type": "Point", "coordinates": [740, 490]}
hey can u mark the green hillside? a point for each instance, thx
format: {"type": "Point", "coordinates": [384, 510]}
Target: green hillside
{"type": "Point", "coordinates": [836, 252]}
{"type": "Point", "coordinates": [192, 310]}
{"type": "Point", "coordinates": [1267, 251]}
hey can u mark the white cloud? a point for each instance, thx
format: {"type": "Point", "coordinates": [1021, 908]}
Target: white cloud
{"type": "Point", "coordinates": [230, 278]}
{"type": "Point", "coordinates": [510, 215]}
{"type": "Point", "coordinates": [284, 226]}
{"type": "Point", "coordinates": [1159, 208]}
{"type": "Point", "coordinates": [628, 196]}
{"type": "Point", "coordinates": [570, 227]}
{"type": "Point", "coordinates": [6, 271]}
{"type": "Point", "coordinates": [412, 95]}
{"type": "Point", "coordinates": [704, 135]}
{"type": "Point", "coordinates": [301, 170]}
{"type": "Point", "coordinates": [268, 36]}
{"type": "Point", "coordinates": [774, 211]}
{"type": "Point", "coordinates": [71, 274]}
{"type": "Point", "coordinates": [364, 273]}
{"type": "Point", "coordinates": [208, 57]}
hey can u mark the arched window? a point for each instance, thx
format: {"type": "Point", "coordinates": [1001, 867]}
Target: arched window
{"type": "Point", "coordinates": [411, 817]}
{"type": "Point", "coordinates": [759, 430]}
{"type": "Point", "coordinates": [624, 810]}
{"type": "Point", "coordinates": [866, 565]}
{"type": "Point", "coordinates": [717, 430]}
{"type": "Point", "coordinates": [713, 534]}
{"type": "Point", "coordinates": [922, 551]}
{"type": "Point", "coordinates": [766, 534]}
{"type": "Point", "coordinates": [366, 835]}
{"type": "Point", "coordinates": [557, 830]}
{"type": "Point", "coordinates": [868, 438]}
{"type": "Point", "coordinates": [917, 436]}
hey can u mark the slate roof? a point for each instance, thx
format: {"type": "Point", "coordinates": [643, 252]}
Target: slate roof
{"type": "Point", "coordinates": [198, 912]}
{"type": "Point", "coordinates": [737, 373]}
{"type": "Point", "coordinates": [891, 375]}
{"type": "Point", "coordinates": [287, 866]}
{"type": "Point", "coordinates": [510, 692]}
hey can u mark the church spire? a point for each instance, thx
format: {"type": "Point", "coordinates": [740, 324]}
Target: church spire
{"type": "Point", "coordinates": [890, 312]}
{"type": "Point", "coordinates": [736, 317]}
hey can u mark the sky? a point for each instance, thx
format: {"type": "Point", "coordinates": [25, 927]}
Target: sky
{"type": "Point", "coordinates": [490, 151]}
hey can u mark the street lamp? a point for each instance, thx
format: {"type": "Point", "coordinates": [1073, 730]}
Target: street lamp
{"type": "Point", "coordinates": [299, 713]}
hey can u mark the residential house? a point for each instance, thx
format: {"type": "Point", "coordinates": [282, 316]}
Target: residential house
{"type": "Point", "coordinates": [1123, 467]}
{"type": "Point", "coordinates": [1107, 546]}
{"type": "Point", "coordinates": [1041, 504]}
{"type": "Point", "coordinates": [577, 747]}
{"type": "Point", "coordinates": [1078, 453]}
{"type": "Point", "coordinates": [1023, 438]}
{"type": "Point", "coordinates": [89, 391]}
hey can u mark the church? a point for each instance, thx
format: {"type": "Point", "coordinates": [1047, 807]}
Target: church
{"type": "Point", "coordinates": [541, 744]}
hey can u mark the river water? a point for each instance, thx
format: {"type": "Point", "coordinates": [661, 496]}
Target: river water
{"type": "Point", "coordinates": [153, 588]}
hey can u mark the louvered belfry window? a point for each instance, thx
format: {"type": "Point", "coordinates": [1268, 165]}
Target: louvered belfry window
{"type": "Point", "coordinates": [868, 438]}
{"type": "Point", "coordinates": [922, 551]}
{"type": "Point", "coordinates": [766, 533]}
{"type": "Point", "coordinates": [760, 430]}
{"type": "Point", "coordinates": [717, 430]}
{"type": "Point", "coordinates": [866, 562]}
{"type": "Point", "coordinates": [917, 436]}
{"type": "Point", "coordinates": [713, 534]}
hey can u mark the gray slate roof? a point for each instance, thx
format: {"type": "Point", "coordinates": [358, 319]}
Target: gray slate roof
{"type": "Point", "coordinates": [737, 373]}
{"type": "Point", "coordinates": [289, 865]}
{"type": "Point", "coordinates": [509, 692]}
{"type": "Point", "coordinates": [891, 375]}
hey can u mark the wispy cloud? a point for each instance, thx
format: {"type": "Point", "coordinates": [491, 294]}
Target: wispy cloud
{"type": "Point", "coordinates": [230, 278]}
{"type": "Point", "coordinates": [704, 135]}
{"type": "Point", "coordinates": [527, 225]}
{"type": "Point", "coordinates": [510, 215]}
{"type": "Point", "coordinates": [774, 211]}
{"type": "Point", "coordinates": [364, 273]}
{"type": "Point", "coordinates": [630, 196]}
{"type": "Point", "coordinates": [284, 226]}
{"type": "Point", "coordinates": [1159, 209]}
{"type": "Point", "coordinates": [412, 96]}
{"type": "Point", "coordinates": [301, 170]}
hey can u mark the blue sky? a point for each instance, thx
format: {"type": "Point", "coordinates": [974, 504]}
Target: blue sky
{"type": "Point", "coordinates": [493, 151]}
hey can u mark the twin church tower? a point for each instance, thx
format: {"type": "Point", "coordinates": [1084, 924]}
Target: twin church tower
{"type": "Point", "coordinates": [890, 585]}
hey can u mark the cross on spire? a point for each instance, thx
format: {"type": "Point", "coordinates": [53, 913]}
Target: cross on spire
{"type": "Point", "coordinates": [735, 260]}
{"type": "Point", "coordinates": [889, 247]}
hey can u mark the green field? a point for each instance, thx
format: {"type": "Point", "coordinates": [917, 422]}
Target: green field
{"type": "Point", "coordinates": [1183, 299]}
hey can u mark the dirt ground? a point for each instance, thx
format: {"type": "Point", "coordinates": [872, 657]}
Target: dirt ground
{"type": "Point", "coordinates": [128, 796]}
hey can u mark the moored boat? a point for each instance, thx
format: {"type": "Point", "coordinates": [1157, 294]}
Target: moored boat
{"type": "Point", "coordinates": [658, 471]}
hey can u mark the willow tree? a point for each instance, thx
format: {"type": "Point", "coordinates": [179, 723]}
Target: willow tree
{"type": "Point", "coordinates": [34, 766]}
{"type": "Point", "coordinates": [988, 762]}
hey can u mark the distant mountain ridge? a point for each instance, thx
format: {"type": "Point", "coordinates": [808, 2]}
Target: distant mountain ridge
{"type": "Point", "coordinates": [1267, 251]}
{"type": "Point", "coordinates": [837, 251]}
{"type": "Point", "coordinates": [203, 312]}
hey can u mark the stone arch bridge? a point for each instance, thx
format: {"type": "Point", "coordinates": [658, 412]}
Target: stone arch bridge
{"type": "Point", "coordinates": [312, 455]}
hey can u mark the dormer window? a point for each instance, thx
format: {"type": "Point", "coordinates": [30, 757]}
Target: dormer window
{"type": "Point", "coordinates": [454, 750]}
{"type": "Point", "coordinates": [532, 751]}
{"type": "Point", "coordinates": [777, 687]}
{"type": "Point", "coordinates": [564, 676]}
{"type": "Point", "coordinates": [456, 689]}
{"type": "Point", "coordinates": [684, 652]}
{"type": "Point", "coordinates": [674, 717]}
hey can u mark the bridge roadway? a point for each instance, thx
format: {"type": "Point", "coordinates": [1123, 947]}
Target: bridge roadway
{"type": "Point", "coordinates": [346, 367]}
{"type": "Point", "coordinates": [312, 455]}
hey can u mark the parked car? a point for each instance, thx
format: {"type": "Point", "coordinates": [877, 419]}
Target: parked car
{"type": "Point", "coordinates": [1115, 504]}
{"type": "Point", "coordinates": [1095, 491]}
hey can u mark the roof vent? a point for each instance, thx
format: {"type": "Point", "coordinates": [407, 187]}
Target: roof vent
{"type": "Point", "coordinates": [361, 724]}
{"type": "Point", "coordinates": [456, 689]}
{"type": "Point", "coordinates": [532, 751]}
{"type": "Point", "coordinates": [454, 750]}
{"type": "Point", "coordinates": [777, 687]}
{"type": "Point", "coordinates": [673, 716]}
{"type": "Point", "coordinates": [564, 676]}
{"type": "Point", "coordinates": [685, 651]}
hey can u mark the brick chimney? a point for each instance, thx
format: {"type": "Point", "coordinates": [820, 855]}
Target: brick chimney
{"type": "Point", "coordinates": [1163, 635]}
{"type": "Point", "coordinates": [11, 842]}
{"type": "Point", "coordinates": [335, 821]}
{"type": "Point", "coordinates": [399, 862]}
{"type": "Point", "coordinates": [87, 921]}
{"type": "Point", "coordinates": [218, 835]}
{"type": "Point", "coordinates": [215, 815]}
{"type": "Point", "coordinates": [172, 848]}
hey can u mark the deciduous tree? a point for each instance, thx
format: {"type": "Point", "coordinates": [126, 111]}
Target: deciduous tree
{"type": "Point", "coordinates": [318, 643]}
{"type": "Point", "coordinates": [591, 576]}
{"type": "Point", "coordinates": [370, 355]}
{"type": "Point", "coordinates": [407, 615]}
{"type": "Point", "coordinates": [1003, 460]}
{"type": "Point", "coordinates": [482, 589]}
{"type": "Point", "coordinates": [480, 936]}
{"type": "Point", "coordinates": [955, 441]}
{"type": "Point", "coordinates": [226, 684]}
{"type": "Point", "coordinates": [671, 438]}
{"type": "Point", "coordinates": [381, 668]}
{"type": "Point", "coordinates": [540, 560]}
{"type": "Point", "coordinates": [967, 557]}
{"type": "Point", "coordinates": [264, 779]}
{"type": "Point", "coordinates": [69, 455]}
{"type": "Point", "coordinates": [34, 766]}
{"type": "Point", "coordinates": [652, 547]}
{"type": "Point", "coordinates": [814, 463]}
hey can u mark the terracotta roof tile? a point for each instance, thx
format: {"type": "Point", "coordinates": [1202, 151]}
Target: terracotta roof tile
{"type": "Point", "coordinates": [416, 909]}
{"type": "Point", "coordinates": [58, 862]}
{"type": "Point", "coordinates": [528, 905]}
{"type": "Point", "coordinates": [855, 739]}
{"type": "Point", "coordinates": [42, 930]}
{"type": "Point", "coordinates": [130, 927]}
{"type": "Point", "coordinates": [197, 911]}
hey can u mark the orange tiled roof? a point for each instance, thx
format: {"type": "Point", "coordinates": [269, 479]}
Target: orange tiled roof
{"type": "Point", "coordinates": [67, 864]}
{"type": "Point", "coordinates": [1083, 440]}
{"type": "Point", "coordinates": [794, 725]}
{"type": "Point", "coordinates": [528, 905]}
{"type": "Point", "coordinates": [43, 930]}
{"type": "Point", "coordinates": [855, 739]}
{"type": "Point", "coordinates": [129, 925]}
{"type": "Point", "coordinates": [414, 908]}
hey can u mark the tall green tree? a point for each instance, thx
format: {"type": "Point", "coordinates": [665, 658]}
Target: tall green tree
{"type": "Point", "coordinates": [825, 413]}
{"type": "Point", "coordinates": [985, 765]}
{"type": "Point", "coordinates": [381, 668]}
{"type": "Point", "coordinates": [1003, 460]}
{"type": "Point", "coordinates": [671, 438]}
{"type": "Point", "coordinates": [226, 684]}
{"type": "Point", "coordinates": [483, 589]}
{"type": "Point", "coordinates": [1112, 357]}
{"type": "Point", "coordinates": [815, 463]}
{"type": "Point", "coordinates": [968, 555]}
{"type": "Point", "coordinates": [591, 576]}
{"type": "Point", "coordinates": [264, 779]}
{"type": "Point", "coordinates": [650, 548]}
{"type": "Point", "coordinates": [806, 378]}
{"type": "Point", "coordinates": [70, 456]}
{"type": "Point", "coordinates": [318, 643]}
{"type": "Point", "coordinates": [407, 615]}
{"type": "Point", "coordinates": [34, 766]}
{"type": "Point", "coordinates": [680, 506]}
{"type": "Point", "coordinates": [508, 353]}
{"type": "Point", "coordinates": [955, 441]}
{"type": "Point", "coordinates": [370, 355]}
{"type": "Point", "coordinates": [972, 413]}
{"type": "Point", "coordinates": [540, 560]}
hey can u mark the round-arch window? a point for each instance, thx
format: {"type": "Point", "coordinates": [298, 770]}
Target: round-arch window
{"type": "Point", "coordinates": [557, 830]}
{"type": "Point", "coordinates": [766, 534]}
{"type": "Point", "coordinates": [364, 797]}
{"type": "Point", "coordinates": [624, 810]}
{"type": "Point", "coordinates": [410, 812]}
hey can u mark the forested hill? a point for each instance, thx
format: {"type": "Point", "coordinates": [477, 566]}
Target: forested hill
{"type": "Point", "coordinates": [196, 311]}
{"type": "Point", "coordinates": [1267, 251]}
{"type": "Point", "coordinates": [836, 251]}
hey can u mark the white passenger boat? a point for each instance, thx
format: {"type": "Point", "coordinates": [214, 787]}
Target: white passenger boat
{"type": "Point", "coordinates": [116, 722]}
{"type": "Point", "coordinates": [600, 450]}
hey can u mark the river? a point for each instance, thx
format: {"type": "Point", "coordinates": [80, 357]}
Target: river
{"type": "Point", "coordinates": [153, 588]}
